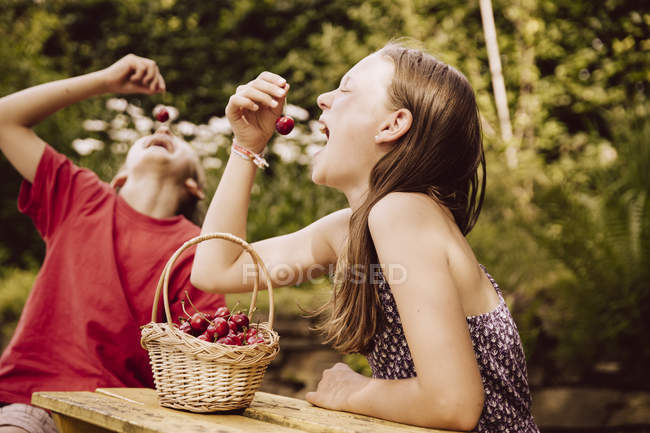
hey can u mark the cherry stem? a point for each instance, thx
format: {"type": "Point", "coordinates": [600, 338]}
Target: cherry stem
{"type": "Point", "coordinates": [185, 311]}
{"type": "Point", "coordinates": [187, 295]}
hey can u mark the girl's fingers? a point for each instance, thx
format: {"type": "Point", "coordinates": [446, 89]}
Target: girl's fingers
{"type": "Point", "coordinates": [238, 101]}
{"type": "Point", "coordinates": [258, 96]}
{"type": "Point", "coordinates": [272, 78]}
{"type": "Point", "coordinates": [269, 87]}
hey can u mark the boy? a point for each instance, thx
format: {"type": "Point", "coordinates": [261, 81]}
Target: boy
{"type": "Point", "coordinates": [80, 327]}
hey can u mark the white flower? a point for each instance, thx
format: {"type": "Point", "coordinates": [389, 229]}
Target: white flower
{"type": "Point", "coordinates": [312, 149]}
{"type": "Point", "coordinates": [297, 113]}
{"type": "Point", "coordinates": [220, 125]}
{"type": "Point", "coordinates": [117, 104]}
{"type": "Point", "coordinates": [119, 148]}
{"type": "Point", "coordinates": [606, 154]}
{"type": "Point", "coordinates": [86, 146]}
{"type": "Point", "coordinates": [286, 150]}
{"type": "Point", "coordinates": [205, 147]}
{"type": "Point", "coordinates": [143, 125]}
{"type": "Point", "coordinates": [134, 111]}
{"type": "Point", "coordinates": [186, 128]}
{"type": "Point", "coordinates": [204, 132]}
{"type": "Point", "coordinates": [315, 126]}
{"type": "Point", "coordinates": [211, 162]}
{"type": "Point", "coordinates": [120, 121]}
{"type": "Point", "coordinates": [173, 113]}
{"type": "Point", "coordinates": [128, 135]}
{"type": "Point", "coordinates": [95, 125]}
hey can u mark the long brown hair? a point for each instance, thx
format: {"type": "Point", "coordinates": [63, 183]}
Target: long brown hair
{"type": "Point", "coordinates": [439, 156]}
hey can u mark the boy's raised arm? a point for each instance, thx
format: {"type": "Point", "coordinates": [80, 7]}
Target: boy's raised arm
{"type": "Point", "coordinates": [24, 109]}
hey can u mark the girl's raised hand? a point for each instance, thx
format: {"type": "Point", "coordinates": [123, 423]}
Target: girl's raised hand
{"type": "Point", "coordinates": [133, 74]}
{"type": "Point", "coordinates": [254, 108]}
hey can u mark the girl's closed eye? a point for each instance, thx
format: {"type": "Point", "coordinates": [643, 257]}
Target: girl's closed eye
{"type": "Point", "coordinates": [345, 85]}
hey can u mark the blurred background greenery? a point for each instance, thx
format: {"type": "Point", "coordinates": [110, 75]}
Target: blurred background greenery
{"type": "Point", "coordinates": [565, 228]}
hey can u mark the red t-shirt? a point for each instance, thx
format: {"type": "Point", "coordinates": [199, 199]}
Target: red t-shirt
{"type": "Point", "coordinates": [80, 327]}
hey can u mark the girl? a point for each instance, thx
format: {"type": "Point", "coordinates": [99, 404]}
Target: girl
{"type": "Point", "coordinates": [404, 146]}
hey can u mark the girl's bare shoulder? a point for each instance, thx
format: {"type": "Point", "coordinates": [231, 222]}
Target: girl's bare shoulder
{"type": "Point", "coordinates": [411, 210]}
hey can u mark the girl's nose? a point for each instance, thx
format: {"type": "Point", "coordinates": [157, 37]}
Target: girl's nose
{"type": "Point", "coordinates": [324, 100]}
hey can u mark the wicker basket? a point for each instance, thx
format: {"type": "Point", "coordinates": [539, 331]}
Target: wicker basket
{"type": "Point", "coordinates": [201, 376]}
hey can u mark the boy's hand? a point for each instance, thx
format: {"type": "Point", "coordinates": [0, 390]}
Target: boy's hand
{"type": "Point", "coordinates": [254, 108]}
{"type": "Point", "coordinates": [133, 74]}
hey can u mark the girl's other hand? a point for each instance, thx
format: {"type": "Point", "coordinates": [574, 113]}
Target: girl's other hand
{"type": "Point", "coordinates": [133, 74]}
{"type": "Point", "coordinates": [254, 108]}
{"type": "Point", "coordinates": [336, 387]}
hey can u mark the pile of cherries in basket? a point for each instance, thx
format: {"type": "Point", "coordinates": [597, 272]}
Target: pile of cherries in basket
{"type": "Point", "coordinates": [222, 327]}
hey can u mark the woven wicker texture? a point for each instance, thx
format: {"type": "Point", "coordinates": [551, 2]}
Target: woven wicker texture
{"type": "Point", "coordinates": [200, 376]}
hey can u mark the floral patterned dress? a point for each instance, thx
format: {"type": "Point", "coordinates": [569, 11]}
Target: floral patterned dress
{"type": "Point", "coordinates": [499, 353]}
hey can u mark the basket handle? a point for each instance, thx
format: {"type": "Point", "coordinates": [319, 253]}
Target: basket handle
{"type": "Point", "coordinates": [163, 282]}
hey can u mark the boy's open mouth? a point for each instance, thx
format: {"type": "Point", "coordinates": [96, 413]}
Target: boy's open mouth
{"type": "Point", "coordinates": [161, 140]}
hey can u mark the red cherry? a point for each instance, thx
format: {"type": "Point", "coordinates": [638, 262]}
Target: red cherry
{"type": "Point", "coordinates": [186, 327]}
{"type": "Point", "coordinates": [162, 115]}
{"type": "Point", "coordinates": [227, 340]}
{"type": "Point", "coordinates": [198, 323]}
{"type": "Point", "coordinates": [211, 330]}
{"type": "Point", "coordinates": [236, 338]}
{"type": "Point", "coordinates": [222, 312]}
{"type": "Point", "coordinates": [205, 337]}
{"type": "Point", "coordinates": [284, 125]}
{"type": "Point", "coordinates": [254, 339]}
{"type": "Point", "coordinates": [221, 326]}
{"type": "Point", "coordinates": [233, 325]}
{"type": "Point", "coordinates": [240, 319]}
{"type": "Point", "coordinates": [251, 332]}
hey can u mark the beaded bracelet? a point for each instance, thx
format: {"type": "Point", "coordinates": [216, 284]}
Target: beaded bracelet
{"type": "Point", "coordinates": [249, 155]}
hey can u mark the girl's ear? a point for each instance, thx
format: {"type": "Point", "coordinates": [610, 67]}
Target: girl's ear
{"type": "Point", "coordinates": [193, 188]}
{"type": "Point", "coordinates": [119, 180]}
{"type": "Point", "coordinates": [395, 126]}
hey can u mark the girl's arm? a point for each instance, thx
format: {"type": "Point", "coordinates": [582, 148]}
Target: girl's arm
{"type": "Point", "coordinates": [24, 109]}
{"type": "Point", "coordinates": [448, 391]}
{"type": "Point", "coordinates": [222, 266]}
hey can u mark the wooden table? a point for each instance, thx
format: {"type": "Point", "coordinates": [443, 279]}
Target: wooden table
{"type": "Point", "coordinates": [136, 410]}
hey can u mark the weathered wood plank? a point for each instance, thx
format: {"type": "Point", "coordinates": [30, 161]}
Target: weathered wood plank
{"type": "Point", "coordinates": [291, 412]}
{"type": "Point", "coordinates": [120, 415]}
{"type": "Point", "coordinates": [66, 424]}
{"type": "Point", "coordinates": [136, 410]}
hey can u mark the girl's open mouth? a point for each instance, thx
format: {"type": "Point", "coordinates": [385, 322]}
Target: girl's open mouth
{"type": "Point", "coordinates": [324, 129]}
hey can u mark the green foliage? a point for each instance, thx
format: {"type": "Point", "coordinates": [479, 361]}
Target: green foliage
{"type": "Point", "coordinates": [596, 224]}
{"type": "Point", "coordinates": [358, 363]}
